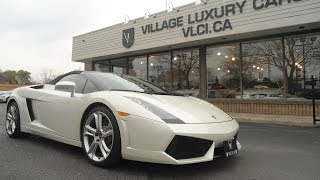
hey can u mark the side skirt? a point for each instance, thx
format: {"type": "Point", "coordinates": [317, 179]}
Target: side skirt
{"type": "Point", "coordinates": [51, 136]}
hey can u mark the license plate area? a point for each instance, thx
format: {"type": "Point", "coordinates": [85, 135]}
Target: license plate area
{"type": "Point", "coordinates": [230, 147]}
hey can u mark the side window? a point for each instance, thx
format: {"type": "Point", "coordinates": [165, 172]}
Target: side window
{"type": "Point", "coordinates": [79, 80]}
{"type": "Point", "coordinates": [90, 87]}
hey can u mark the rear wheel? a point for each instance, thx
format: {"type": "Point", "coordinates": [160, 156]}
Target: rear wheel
{"type": "Point", "coordinates": [13, 120]}
{"type": "Point", "coordinates": [101, 137]}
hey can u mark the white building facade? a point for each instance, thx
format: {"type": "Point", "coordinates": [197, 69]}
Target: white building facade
{"type": "Point", "coordinates": [243, 50]}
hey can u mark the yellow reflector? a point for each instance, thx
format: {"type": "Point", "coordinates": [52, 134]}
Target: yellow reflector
{"type": "Point", "coordinates": [123, 113]}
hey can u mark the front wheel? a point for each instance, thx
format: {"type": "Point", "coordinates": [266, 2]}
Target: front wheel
{"type": "Point", "coordinates": [13, 120]}
{"type": "Point", "coordinates": [100, 137]}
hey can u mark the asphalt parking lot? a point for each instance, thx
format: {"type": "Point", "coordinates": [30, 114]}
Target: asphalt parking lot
{"type": "Point", "coordinates": [268, 152]}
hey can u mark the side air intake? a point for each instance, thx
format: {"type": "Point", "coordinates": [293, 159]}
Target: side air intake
{"type": "Point", "coordinates": [183, 147]}
{"type": "Point", "coordinates": [30, 109]}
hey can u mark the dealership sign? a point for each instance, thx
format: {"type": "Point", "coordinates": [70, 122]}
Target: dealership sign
{"type": "Point", "coordinates": [128, 37]}
{"type": "Point", "coordinates": [196, 24]}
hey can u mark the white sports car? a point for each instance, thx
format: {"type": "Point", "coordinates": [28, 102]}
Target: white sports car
{"type": "Point", "coordinates": [118, 116]}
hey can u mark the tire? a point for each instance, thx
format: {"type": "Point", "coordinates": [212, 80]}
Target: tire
{"type": "Point", "coordinates": [100, 137]}
{"type": "Point", "coordinates": [7, 100]}
{"type": "Point", "coordinates": [12, 122]}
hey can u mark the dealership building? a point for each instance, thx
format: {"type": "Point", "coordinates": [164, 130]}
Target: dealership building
{"type": "Point", "coordinates": [249, 56]}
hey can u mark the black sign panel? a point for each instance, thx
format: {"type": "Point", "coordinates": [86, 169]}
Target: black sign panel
{"type": "Point", "coordinates": [128, 37]}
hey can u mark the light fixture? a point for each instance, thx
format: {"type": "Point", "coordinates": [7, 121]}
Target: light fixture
{"type": "Point", "coordinates": [261, 69]}
{"type": "Point", "coordinates": [126, 19]}
{"type": "Point", "coordinates": [233, 59]}
{"type": "Point", "coordinates": [228, 71]}
{"type": "Point", "coordinates": [254, 66]}
{"type": "Point", "coordinates": [226, 56]}
{"type": "Point", "coordinates": [175, 58]}
{"type": "Point", "coordinates": [296, 64]}
{"type": "Point", "coordinates": [258, 67]}
{"type": "Point", "coordinates": [200, 2]}
{"type": "Point", "coordinates": [170, 7]}
{"type": "Point", "coordinates": [219, 53]}
{"type": "Point", "coordinates": [218, 69]}
{"type": "Point", "coordinates": [147, 14]}
{"type": "Point", "coordinates": [141, 62]}
{"type": "Point", "coordinates": [151, 64]}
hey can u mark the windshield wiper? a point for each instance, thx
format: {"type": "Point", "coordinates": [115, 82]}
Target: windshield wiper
{"type": "Point", "coordinates": [159, 93]}
{"type": "Point", "coordinates": [127, 90]}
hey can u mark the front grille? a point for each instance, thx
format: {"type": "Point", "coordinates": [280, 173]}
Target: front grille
{"type": "Point", "coordinates": [219, 152]}
{"type": "Point", "coordinates": [183, 147]}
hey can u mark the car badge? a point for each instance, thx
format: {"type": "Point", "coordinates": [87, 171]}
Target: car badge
{"type": "Point", "coordinates": [230, 144]}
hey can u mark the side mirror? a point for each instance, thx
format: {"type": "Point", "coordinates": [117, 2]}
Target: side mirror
{"type": "Point", "coordinates": [66, 86]}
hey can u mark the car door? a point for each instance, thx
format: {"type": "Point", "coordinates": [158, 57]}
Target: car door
{"type": "Point", "coordinates": [57, 112]}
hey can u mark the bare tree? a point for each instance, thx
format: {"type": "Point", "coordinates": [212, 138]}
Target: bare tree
{"type": "Point", "coordinates": [270, 53]}
{"type": "Point", "coordinates": [47, 75]}
{"type": "Point", "coordinates": [186, 63]}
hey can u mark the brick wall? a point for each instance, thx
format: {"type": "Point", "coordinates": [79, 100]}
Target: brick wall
{"type": "Point", "coordinates": [88, 66]}
{"type": "Point", "coordinates": [275, 107]}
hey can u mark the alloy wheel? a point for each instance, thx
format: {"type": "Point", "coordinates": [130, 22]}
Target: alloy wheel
{"type": "Point", "coordinates": [98, 136]}
{"type": "Point", "coordinates": [11, 119]}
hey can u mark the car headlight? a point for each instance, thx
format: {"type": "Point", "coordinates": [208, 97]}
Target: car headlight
{"type": "Point", "coordinates": [164, 115]}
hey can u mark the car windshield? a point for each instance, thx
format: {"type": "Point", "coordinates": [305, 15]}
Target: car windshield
{"type": "Point", "coordinates": [115, 82]}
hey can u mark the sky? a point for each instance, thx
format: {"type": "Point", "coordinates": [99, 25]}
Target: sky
{"type": "Point", "coordinates": [36, 35]}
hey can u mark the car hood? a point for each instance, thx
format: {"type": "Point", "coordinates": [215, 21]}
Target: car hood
{"type": "Point", "coordinates": [189, 109]}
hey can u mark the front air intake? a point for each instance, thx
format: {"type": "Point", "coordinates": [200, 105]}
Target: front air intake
{"type": "Point", "coordinates": [183, 147]}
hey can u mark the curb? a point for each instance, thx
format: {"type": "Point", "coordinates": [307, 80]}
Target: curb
{"type": "Point", "coordinates": [287, 123]}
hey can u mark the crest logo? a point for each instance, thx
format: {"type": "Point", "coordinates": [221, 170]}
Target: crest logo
{"type": "Point", "coordinates": [128, 37]}
{"type": "Point", "coordinates": [230, 144]}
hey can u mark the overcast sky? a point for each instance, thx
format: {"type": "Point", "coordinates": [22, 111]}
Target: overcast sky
{"type": "Point", "coordinates": [36, 35]}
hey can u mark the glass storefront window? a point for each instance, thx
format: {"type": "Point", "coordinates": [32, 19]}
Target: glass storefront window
{"type": "Point", "coordinates": [262, 68]}
{"type": "Point", "coordinates": [302, 61]}
{"type": "Point", "coordinates": [138, 67]}
{"type": "Point", "coordinates": [118, 66]}
{"type": "Point", "coordinates": [223, 71]}
{"type": "Point", "coordinates": [185, 72]}
{"type": "Point", "coordinates": [263, 72]}
{"type": "Point", "coordinates": [102, 66]}
{"type": "Point", "coordinates": [160, 70]}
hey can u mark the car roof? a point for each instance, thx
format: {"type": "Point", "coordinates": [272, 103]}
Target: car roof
{"type": "Point", "coordinates": [57, 79]}
{"type": "Point", "coordinates": [54, 81]}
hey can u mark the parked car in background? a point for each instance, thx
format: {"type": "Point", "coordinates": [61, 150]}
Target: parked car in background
{"type": "Point", "coordinates": [188, 92]}
{"type": "Point", "coordinates": [216, 90]}
{"type": "Point", "coordinates": [261, 93]}
{"type": "Point", "coordinates": [4, 96]}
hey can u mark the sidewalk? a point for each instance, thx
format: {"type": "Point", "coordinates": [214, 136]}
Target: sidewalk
{"type": "Point", "coordinates": [302, 121]}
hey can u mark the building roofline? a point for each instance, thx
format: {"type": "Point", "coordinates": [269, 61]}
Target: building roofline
{"type": "Point", "coordinates": [139, 18]}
